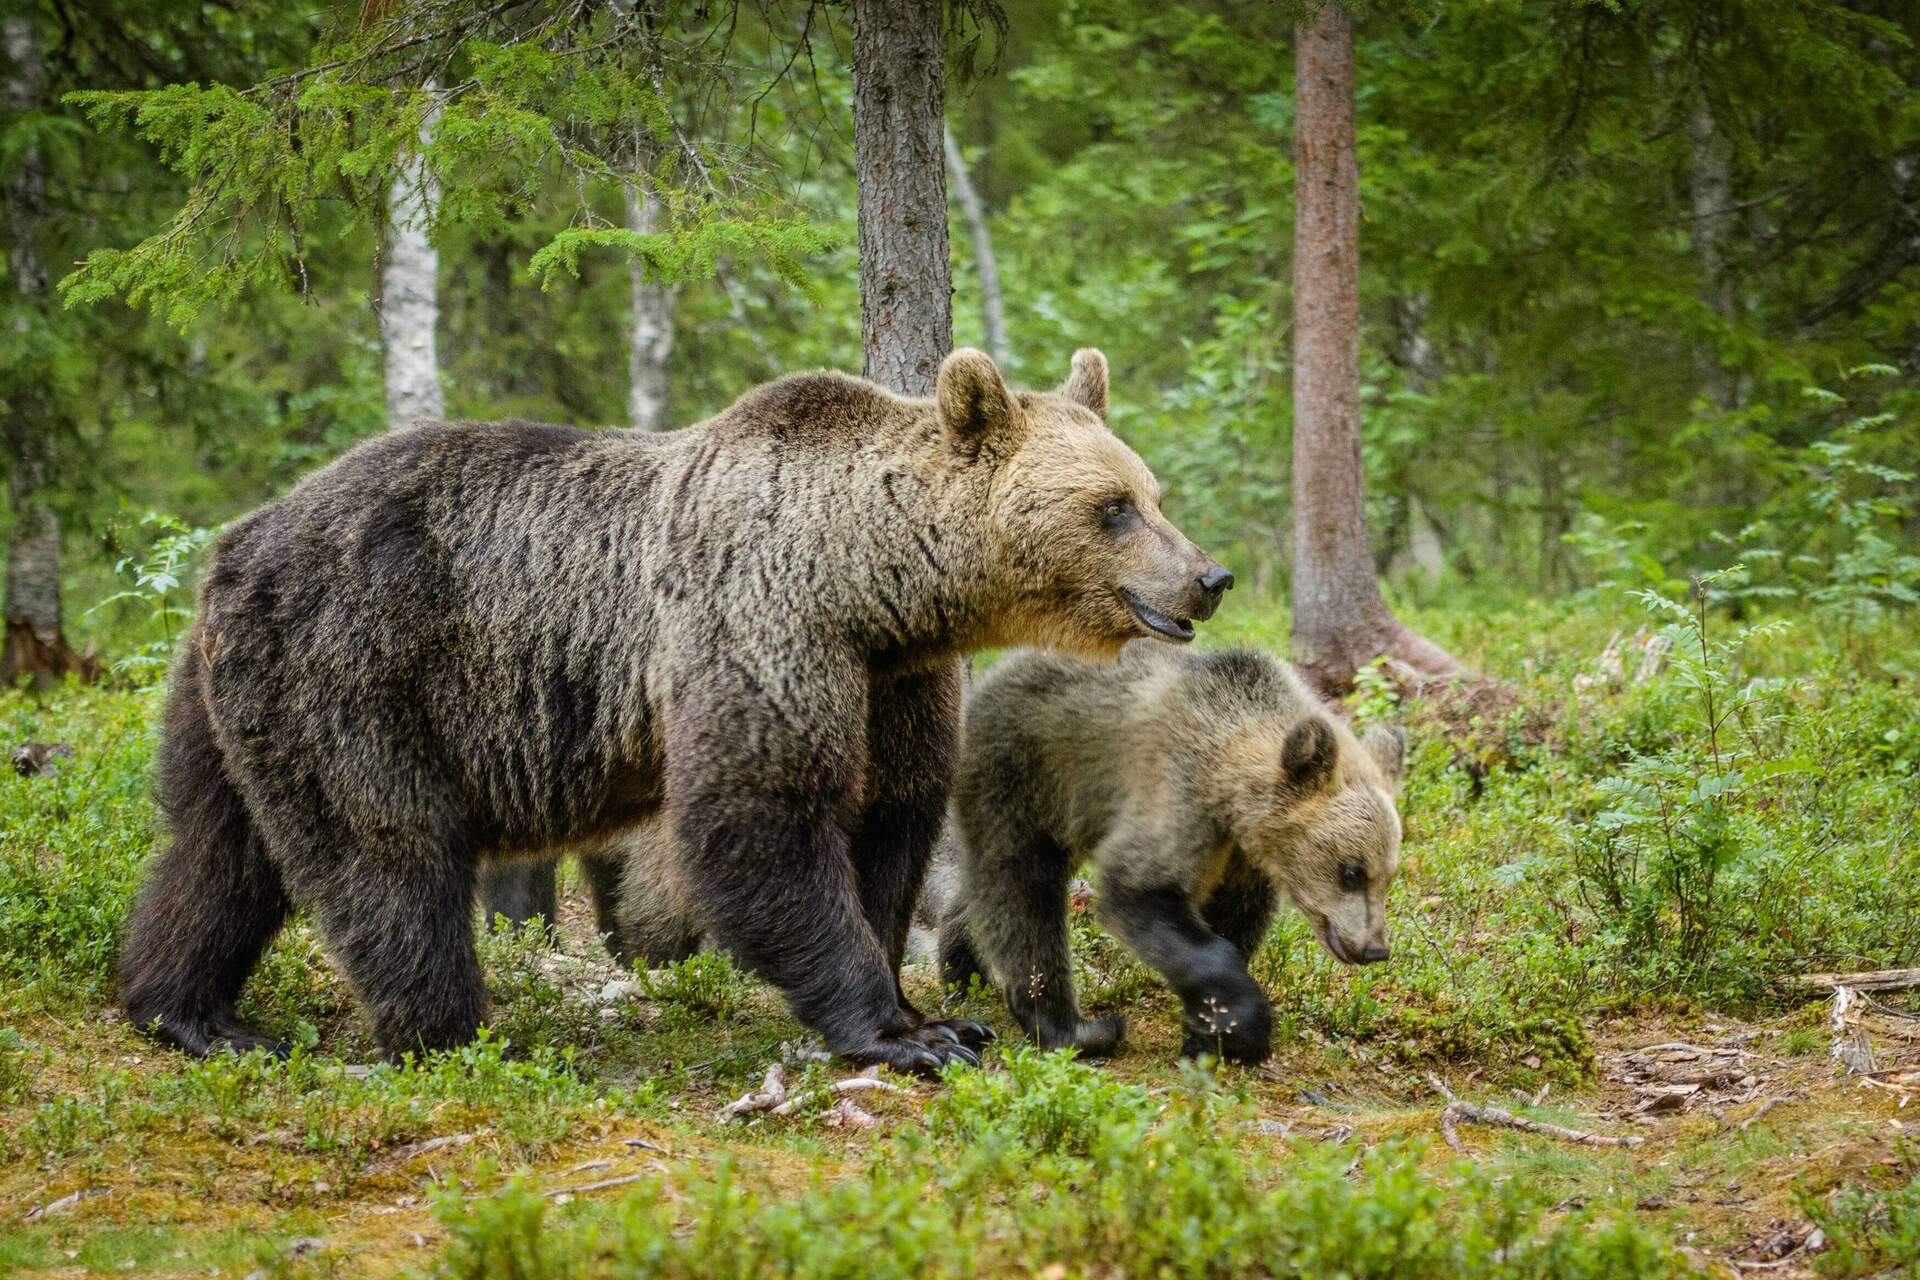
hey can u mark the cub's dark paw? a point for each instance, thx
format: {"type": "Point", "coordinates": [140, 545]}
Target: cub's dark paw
{"type": "Point", "coordinates": [1235, 1027]}
{"type": "Point", "coordinates": [1100, 1037]}
{"type": "Point", "coordinates": [924, 1051]}
{"type": "Point", "coordinates": [974, 1035]}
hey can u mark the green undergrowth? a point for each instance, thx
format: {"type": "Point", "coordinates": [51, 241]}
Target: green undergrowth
{"type": "Point", "coordinates": [1046, 1166]}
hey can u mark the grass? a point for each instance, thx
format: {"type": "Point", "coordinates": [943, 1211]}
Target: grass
{"type": "Point", "coordinates": [1514, 968]}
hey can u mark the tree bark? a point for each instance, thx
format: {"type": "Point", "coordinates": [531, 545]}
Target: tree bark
{"type": "Point", "coordinates": [993, 314]}
{"type": "Point", "coordinates": [409, 298]}
{"type": "Point", "coordinates": [1710, 193]}
{"type": "Point", "coordinates": [899, 113]}
{"type": "Point", "coordinates": [652, 325]}
{"type": "Point", "coordinates": [35, 642]}
{"type": "Point", "coordinates": [1340, 622]}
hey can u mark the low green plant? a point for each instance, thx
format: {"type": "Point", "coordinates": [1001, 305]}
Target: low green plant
{"type": "Point", "coordinates": [705, 987]}
{"type": "Point", "coordinates": [1870, 1232]}
{"type": "Point", "coordinates": [157, 574]}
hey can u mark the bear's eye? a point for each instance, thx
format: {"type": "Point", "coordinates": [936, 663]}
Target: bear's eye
{"type": "Point", "coordinates": [1353, 877]}
{"type": "Point", "coordinates": [1116, 513]}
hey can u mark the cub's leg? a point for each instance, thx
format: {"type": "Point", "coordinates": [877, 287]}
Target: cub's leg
{"type": "Point", "coordinates": [1225, 1011]}
{"type": "Point", "coordinates": [659, 921]}
{"type": "Point", "coordinates": [602, 870]}
{"type": "Point", "coordinates": [1012, 915]}
{"type": "Point", "coordinates": [521, 890]}
{"type": "Point", "coordinates": [1240, 909]}
{"type": "Point", "coordinates": [911, 733]}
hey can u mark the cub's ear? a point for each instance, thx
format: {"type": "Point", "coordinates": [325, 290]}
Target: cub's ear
{"type": "Point", "coordinates": [974, 401]}
{"type": "Point", "coordinates": [1387, 744]}
{"type": "Point", "coordinates": [1087, 384]}
{"type": "Point", "coordinates": [1307, 758]}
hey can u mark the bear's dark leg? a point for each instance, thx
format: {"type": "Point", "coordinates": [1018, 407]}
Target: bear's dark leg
{"type": "Point", "coordinates": [759, 792]}
{"type": "Point", "coordinates": [911, 723]}
{"type": "Point", "coordinates": [1240, 909]}
{"type": "Point", "coordinates": [521, 890]}
{"type": "Point", "coordinates": [211, 903]}
{"type": "Point", "coordinates": [1226, 1012]}
{"type": "Point", "coordinates": [403, 931]}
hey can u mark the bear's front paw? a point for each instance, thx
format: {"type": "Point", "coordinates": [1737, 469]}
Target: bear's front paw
{"type": "Point", "coordinates": [974, 1035]}
{"type": "Point", "coordinates": [924, 1051]}
{"type": "Point", "coordinates": [1100, 1037]}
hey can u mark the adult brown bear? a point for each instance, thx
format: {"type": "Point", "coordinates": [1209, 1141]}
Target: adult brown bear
{"type": "Point", "coordinates": [461, 642]}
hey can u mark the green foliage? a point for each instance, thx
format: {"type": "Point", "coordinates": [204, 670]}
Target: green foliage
{"type": "Point", "coordinates": [454, 98]}
{"type": "Point", "coordinates": [1869, 1232]}
{"type": "Point", "coordinates": [157, 578]}
{"type": "Point", "coordinates": [1090, 1177]}
{"type": "Point", "coordinates": [703, 988]}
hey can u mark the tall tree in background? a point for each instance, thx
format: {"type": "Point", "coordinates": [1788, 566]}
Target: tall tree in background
{"type": "Point", "coordinates": [1340, 621]}
{"type": "Point", "coordinates": [35, 642]}
{"type": "Point", "coordinates": [899, 115]}
{"type": "Point", "coordinates": [993, 311]}
{"type": "Point", "coordinates": [652, 319]}
{"type": "Point", "coordinates": [410, 292]}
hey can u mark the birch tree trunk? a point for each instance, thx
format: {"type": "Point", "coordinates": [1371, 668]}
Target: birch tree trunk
{"type": "Point", "coordinates": [993, 314]}
{"type": "Point", "coordinates": [409, 294]}
{"type": "Point", "coordinates": [35, 641]}
{"type": "Point", "coordinates": [899, 115]}
{"type": "Point", "coordinates": [1340, 622]}
{"type": "Point", "coordinates": [652, 325]}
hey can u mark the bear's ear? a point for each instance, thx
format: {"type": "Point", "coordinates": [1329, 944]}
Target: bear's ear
{"type": "Point", "coordinates": [1307, 758]}
{"type": "Point", "coordinates": [973, 398]}
{"type": "Point", "coordinates": [1387, 744]}
{"type": "Point", "coordinates": [1087, 384]}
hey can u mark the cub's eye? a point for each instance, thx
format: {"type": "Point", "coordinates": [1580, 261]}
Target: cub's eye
{"type": "Point", "coordinates": [1116, 512]}
{"type": "Point", "coordinates": [1353, 877]}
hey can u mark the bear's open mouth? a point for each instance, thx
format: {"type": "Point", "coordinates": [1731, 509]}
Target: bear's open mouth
{"type": "Point", "coordinates": [1177, 629]}
{"type": "Point", "coordinates": [1331, 940]}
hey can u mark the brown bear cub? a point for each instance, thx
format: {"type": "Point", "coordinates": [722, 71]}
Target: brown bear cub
{"type": "Point", "coordinates": [464, 644]}
{"type": "Point", "coordinates": [1198, 785]}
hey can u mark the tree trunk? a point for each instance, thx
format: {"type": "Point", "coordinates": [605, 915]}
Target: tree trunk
{"type": "Point", "coordinates": [409, 300]}
{"type": "Point", "coordinates": [993, 314]}
{"type": "Point", "coordinates": [1340, 622]}
{"type": "Point", "coordinates": [899, 113]}
{"type": "Point", "coordinates": [1709, 193]}
{"type": "Point", "coordinates": [652, 325]}
{"type": "Point", "coordinates": [35, 643]}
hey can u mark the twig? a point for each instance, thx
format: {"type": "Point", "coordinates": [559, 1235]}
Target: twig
{"type": "Point", "coordinates": [1495, 1116]}
{"type": "Point", "coordinates": [401, 1155]}
{"type": "Point", "coordinates": [66, 1202]}
{"type": "Point", "coordinates": [1456, 1111]}
{"type": "Point", "coordinates": [1765, 1107]}
{"type": "Point", "coordinates": [601, 1185]}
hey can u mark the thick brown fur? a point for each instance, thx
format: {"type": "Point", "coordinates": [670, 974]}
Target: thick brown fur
{"type": "Point", "coordinates": [1200, 786]}
{"type": "Point", "coordinates": [462, 643]}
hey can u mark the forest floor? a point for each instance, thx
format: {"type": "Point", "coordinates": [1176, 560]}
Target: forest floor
{"type": "Point", "coordinates": [1604, 902]}
{"type": "Point", "coordinates": [1736, 1128]}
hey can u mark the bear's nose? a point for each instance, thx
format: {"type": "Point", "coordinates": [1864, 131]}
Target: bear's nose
{"type": "Point", "coordinates": [1215, 580]}
{"type": "Point", "coordinates": [1375, 953]}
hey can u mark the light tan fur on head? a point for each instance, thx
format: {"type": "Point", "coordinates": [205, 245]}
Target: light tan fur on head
{"type": "Point", "coordinates": [1313, 806]}
{"type": "Point", "coordinates": [1092, 562]}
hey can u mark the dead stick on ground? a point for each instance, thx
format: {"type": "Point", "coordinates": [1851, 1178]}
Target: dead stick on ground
{"type": "Point", "coordinates": [1457, 1110]}
{"type": "Point", "coordinates": [1765, 1107]}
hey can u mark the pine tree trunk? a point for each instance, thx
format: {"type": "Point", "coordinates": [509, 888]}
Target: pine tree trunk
{"type": "Point", "coordinates": [409, 299]}
{"type": "Point", "coordinates": [993, 314]}
{"type": "Point", "coordinates": [652, 325]}
{"type": "Point", "coordinates": [1709, 193]}
{"type": "Point", "coordinates": [34, 643]}
{"type": "Point", "coordinates": [1340, 622]}
{"type": "Point", "coordinates": [899, 113]}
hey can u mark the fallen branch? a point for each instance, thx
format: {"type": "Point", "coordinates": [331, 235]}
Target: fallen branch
{"type": "Point", "coordinates": [1755, 1118]}
{"type": "Point", "coordinates": [1456, 1111]}
{"type": "Point", "coordinates": [601, 1185]}
{"type": "Point", "coordinates": [66, 1202]}
{"type": "Point", "coordinates": [1871, 980]}
{"type": "Point", "coordinates": [773, 1097]}
{"type": "Point", "coordinates": [401, 1155]}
